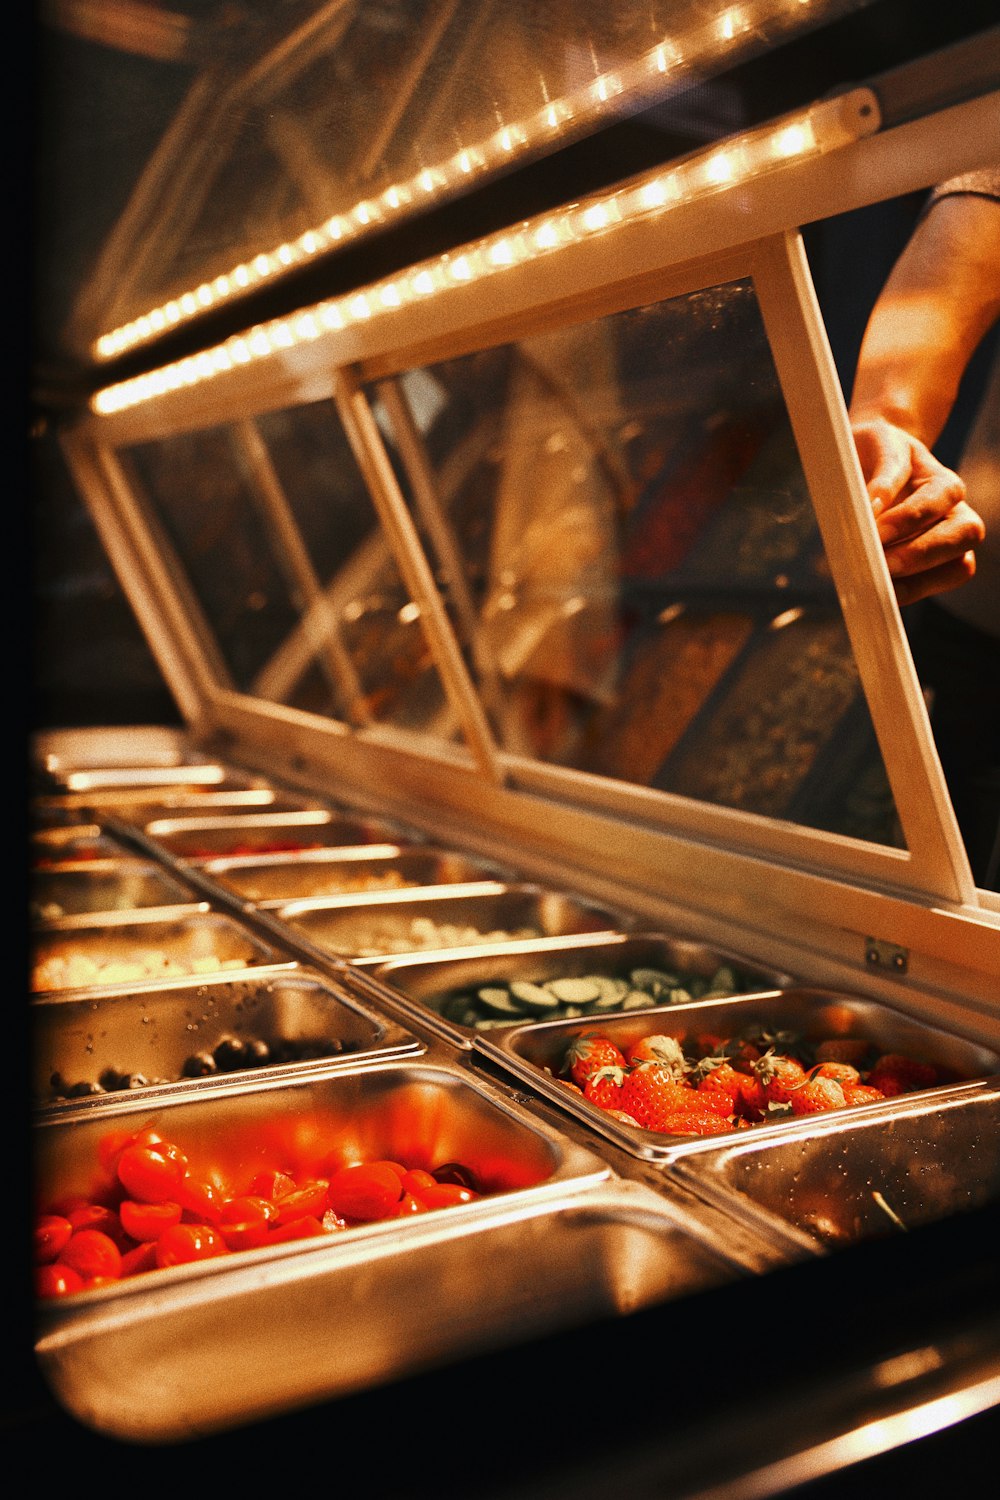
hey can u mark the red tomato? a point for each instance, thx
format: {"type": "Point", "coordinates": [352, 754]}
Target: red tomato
{"type": "Point", "coordinates": [152, 1174]}
{"type": "Point", "coordinates": [244, 1221]}
{"type": "Point", "coordinates": [310, 1198]}
{"type": "Point", "coordinates": [147, 1221]}
{"type": "Point", "coordinates": [52, 1232]}
{"type": "Point", "coordinates": [187, 1242]}
{"type": "Point", "coordinates": [273, 1185]}
{"type": "Point", "coordinates": [200, 1199]}
{"type": "Point", "coordinates": [57, 1280]}
{"type": "Point", "coordinates": [417, 1179]}
{"type": "Point", "coordinates": [305, 1228]}
{"type": "Point", "coordinates": [365, 1191]}
{"type": "Point", "coordinates": [409, 1205]}
{"type": "Point", "coordinates": [140, 1258]}
{"type": "Point", "coordinates": [96, 1216]}
{"type": "Point", "coordinates": [445, 1195]}
{"type": "Point", "coordinates": [113, 1144]}
{"type": "Point", "coordinates": [92, 1253]}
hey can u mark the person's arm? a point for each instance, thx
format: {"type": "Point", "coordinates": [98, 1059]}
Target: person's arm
{"type": "Point", "coordinates": [941, 297]}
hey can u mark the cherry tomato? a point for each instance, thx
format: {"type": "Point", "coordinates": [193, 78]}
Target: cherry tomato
{"type": "Point", "coordinates": [113, 1144]}
{"type": "Point", "coordinates": [416, 1179]}
{"type": "Point", "coordinates": [200, 1199]}
{"type": "Point", "coordinates": [188, 1242]}
{"type": "Point", "coordinates": [140, 1258]}
{"type": "Point", "coordinates": [147, 1221]}
{"type": "Point", "coordinates": [244, 1221]}
{"type": "Point", "coordinates": [52, 1233]}
{"type": "Point", "coordinates": [97, 1216]}
{"type": "Point", "coordinates": [57, 1280]}
{"type": "Point", "coordinates": [409, 1205]}
{"type": "Point", "coordinates": [273, 1185]}
{"type": "Point", "coordinates": [92, 1253]}
{"type": "Point", "coordinates": [309, 1198]}
{"type": "Point", "coordinates": [365, 1191]}
{"type": "Point", "coordinates": [305, 1228]}
{"type": "Point", "coordinates": [152, 1174]}
{"type": "Point", "coordinates": [445, 1195]}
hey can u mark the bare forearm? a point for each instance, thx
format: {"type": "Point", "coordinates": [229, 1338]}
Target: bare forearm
{"type": "Point", "coordinates": [940, 299]}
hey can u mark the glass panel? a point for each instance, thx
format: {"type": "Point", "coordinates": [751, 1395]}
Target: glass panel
{"type": "Point", "coordinates": [277, 538]}
{"type": "Point", "coordinates": [643, 591]}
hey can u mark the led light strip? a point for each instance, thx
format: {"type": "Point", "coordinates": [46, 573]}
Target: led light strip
{"type": "Point", "coordinates": [671, 57]}
{"type": "Point", "coordinates": [807, 133]}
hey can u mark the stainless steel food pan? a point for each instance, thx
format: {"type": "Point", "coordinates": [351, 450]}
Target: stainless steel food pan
{"type": "Point", "coordinates": [439, 918]}
{"type": "Point", "coordinates": [142, 803]}
{"type": "Point", "coordinates": [181, 1352]}
{"type": "Point", "coordinates": [102, 885]}
{"type": "Point", "coordinates": [60, 752]}
{"type": "Point", "coordinates": [270, 880]}
{"type": "Point", "coordinates": [74, 843]}
{"type": "Point", "coordinates": [253, 833]}
{"type": "Point", "coordinates": [535, 1053]}
{"type": "Point", "coordinates": [842, 1179]}
{"type": "Point", "coordinates": [440, 988]}
{"type": "Point", "coordinates": [140, 947]}
{"type": "Point", "coordinates": [194, 1033]}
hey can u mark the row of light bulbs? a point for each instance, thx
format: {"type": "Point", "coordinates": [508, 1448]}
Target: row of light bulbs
{"type": "Point", "coordinates": [468, 164]}
{"type": "Point", "coordinates": [806, 133]}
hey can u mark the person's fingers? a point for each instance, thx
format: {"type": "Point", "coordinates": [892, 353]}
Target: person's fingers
{"type": "Point", "coordinates": [948, 540]}
{"type": "Point", "coordinates": [885, 456]}
{"type": "Point", "coordinates": [937, 580]}
{"type": "Point", "coordinates": [935, 498]}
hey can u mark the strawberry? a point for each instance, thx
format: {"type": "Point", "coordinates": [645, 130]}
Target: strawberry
{"type": "Point", "coordinates": [715, 1074]}
{"type": "Point", "coordinates": [605, 1088]}
{"type": "Point", "coordinates": [589, 1052]}
{"type": "Point", "coordinates": [847, 1049]}
{"type": "Point", "coordinates": [692, 1122]}
{"type": "Point", "coordinates": [861, 1093]}
{"type": "Point", "coordinates": [651, 1092]}
{"type": "Point", "coordinates": [894, 1074]}
{"type": "Point", "coordinates": [814, 1095]}
{"type": "Point", "coordinates": [778, 1075]}
{"type": "Point", "coordinates": [844, 1073]}
{"type": "Point", "coordinates": [664, 1050]}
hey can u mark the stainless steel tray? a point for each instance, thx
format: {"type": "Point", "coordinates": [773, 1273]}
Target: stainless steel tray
{"type": "Point", "coordinates": [98, 886]}
{"type": "Point", "coordinates": [198, 839]}
{"type": "Point", "coordinates": [535, 1053]}
{"type": "Point", "coordinates": [432, 988]}
{"type": "Point", "coordinates": [142, 803]}
{"type": "Point", "coordinates": [194, 1033]}
{"type": "Point", "coordinates": [440, 918]}
{"type": "Point", "coordinates": [271, 880]}
{"type": "Point", "coordinates": [76, 843]}
{"type": "Point", "coordinates": [126, 948]}
{"type": "Point", "coordinates": [180, 1352]}
{"type": "Point", "coordinates": [838, 1179]}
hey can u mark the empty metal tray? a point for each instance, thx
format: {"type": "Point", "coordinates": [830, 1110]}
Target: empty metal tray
{"type": "Point", "coordinates": [535, 1053]}
{"type": "Point", "coordinates": [840, 1178]}
{"type": "Point", "coordinates": [194, 1033]}
{"type": "Point", "coordinates": [188, 1350]}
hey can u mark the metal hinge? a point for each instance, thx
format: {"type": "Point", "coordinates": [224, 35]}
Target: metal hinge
{"type": "Point", "coordinates": [882, 955]}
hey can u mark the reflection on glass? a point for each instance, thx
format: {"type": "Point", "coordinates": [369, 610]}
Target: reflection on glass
{"type": "Point", "coordinates": [640, 588]}
{"type": "Point", "coordinates": [278, 538]}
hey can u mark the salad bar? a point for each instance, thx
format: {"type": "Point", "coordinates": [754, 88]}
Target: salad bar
{"type": "Point", "coordinates": [608, 1118]}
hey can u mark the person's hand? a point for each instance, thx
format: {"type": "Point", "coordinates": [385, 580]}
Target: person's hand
{"type": "Point", "coordinates": [928, 530]}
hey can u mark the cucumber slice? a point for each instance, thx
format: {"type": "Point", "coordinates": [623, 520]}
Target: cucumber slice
{"type": "Point", "coordinates": [655, 982]}
{"type": "Point", "coordinates": [638, 1000]}
{"type": "Point", "coordinates": [612, 996]}
{"type": "Point", "coordinates": [496, 1001]}
{"type": "Point", "coordinates": [574, 991]}
{"type": "Point", "coordinates": [533, 998]}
